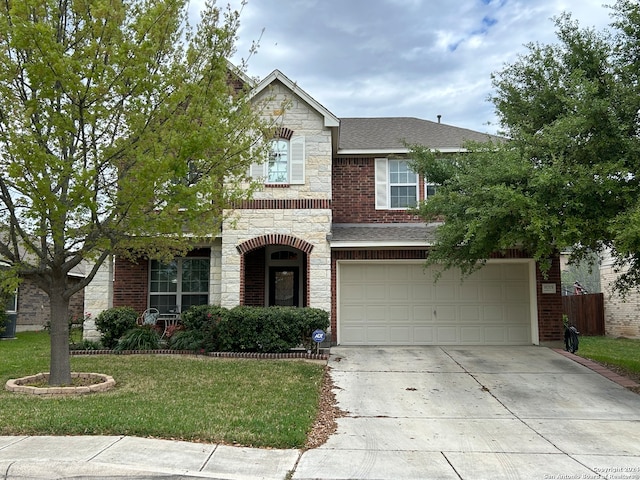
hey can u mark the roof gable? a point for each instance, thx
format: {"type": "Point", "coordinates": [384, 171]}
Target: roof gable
{"type": "Point", "coordinates": [330, 120]}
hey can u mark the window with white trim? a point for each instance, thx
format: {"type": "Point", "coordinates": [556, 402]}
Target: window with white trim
{"type": "Point", "coordinates": [285, 165]}
{"type": "Point", "coordinates": [396, 184]}
{"type": "Point", "coordinates": [430, 189]}
{"type": "Point", "coordinates": [177, 285]}
{"type": "Point", "coordinates": [278, 167]}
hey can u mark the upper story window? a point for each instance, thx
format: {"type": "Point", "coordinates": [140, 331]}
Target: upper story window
{"type": "Point", "coordinates": [278, 168]}
{"type": "Point", "coordinates": [396, 184]}
{"type": "Point", "coordinates": [286, 162]}
{"type": "Point", "coordinates": [430, 189]}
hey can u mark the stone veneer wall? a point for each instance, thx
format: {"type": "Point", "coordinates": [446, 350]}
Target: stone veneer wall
{"type": "Point", "coordinates": [309, 225]}
{"type": "Point", "coordinates": [621, 315]}
{"type": "Point", "coordinates": [215, 273]}
{"type": "Point", "coordinates": [302, 121]}
{"type": "Point", "coordinates": [98, 296]}
{"type": "Point", "coordinates": [300, 211]}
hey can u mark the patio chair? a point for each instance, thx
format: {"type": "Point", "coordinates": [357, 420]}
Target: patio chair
{"type": "Point", "coordinates": [169, 318]}
{"type": "Point", "coordinates": [149, 317]}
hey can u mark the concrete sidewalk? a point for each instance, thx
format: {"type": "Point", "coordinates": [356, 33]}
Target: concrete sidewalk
{"type": "Point", "coordinates": [131, 457]}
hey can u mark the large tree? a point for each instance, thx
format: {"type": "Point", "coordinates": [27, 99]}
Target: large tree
{"type": "Point", "coordinates": [122, 130]}
{"type": "Point", "coordinates": [566, 174]}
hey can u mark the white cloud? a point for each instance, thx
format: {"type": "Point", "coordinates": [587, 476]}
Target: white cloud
{"type": "Point", "coordinates": [401, 57]}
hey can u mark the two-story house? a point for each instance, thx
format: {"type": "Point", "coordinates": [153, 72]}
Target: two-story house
{"type": "Point", "coordinates": [330, 229]}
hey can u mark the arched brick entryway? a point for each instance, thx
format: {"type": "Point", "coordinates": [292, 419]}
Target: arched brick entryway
{"type": "Point", "coordinates": [267, 260]}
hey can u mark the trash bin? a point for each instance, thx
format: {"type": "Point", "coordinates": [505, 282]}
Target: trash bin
{"type": "Point", "coordinates": [9, 326]}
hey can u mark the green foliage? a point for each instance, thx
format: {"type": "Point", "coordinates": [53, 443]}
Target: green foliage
{"type": "Point", "coordinates": [9, 281]}
{"type": "Point", "coordinates": [115, 322]}
{"type": "Point", "coordinates": [310, 320]}
{"type": "Point", "coordinates": [619, 352]}
{"type": "Point", "coordinates": [567, 175]}
{"type": "Point", "coordinates": [122, 131]}
{"type": "Point", "coordinates": [269, 329]}
{"type": "Point", "coordinates": [202, 317]}
{"type": "Point", "coordinates": [201, 325]}
{"type": "Point", "coordinates": [145, 337]}
{"type": "Point", "coordinates": [191, 340]}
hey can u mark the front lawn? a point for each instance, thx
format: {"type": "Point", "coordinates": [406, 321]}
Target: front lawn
{"type": "Point", "coordinates": [262, 403]}
{"type": "Point", "coordinates": [622, 354]}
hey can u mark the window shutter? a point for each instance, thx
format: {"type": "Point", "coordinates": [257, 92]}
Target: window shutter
{"type": "Point", "coordinates": [258, 171]}
{"type": "Point", "coordinates": [297, 161]}
{"type": "Point", "coordinates": [382, 197]}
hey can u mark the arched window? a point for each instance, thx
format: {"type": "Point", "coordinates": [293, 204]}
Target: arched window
{"type": "Point", "coordinates": [278, 168]}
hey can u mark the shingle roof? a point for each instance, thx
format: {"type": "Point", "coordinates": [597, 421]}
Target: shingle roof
{"type": "Point", "coordinates": [396, 233]}
{"type": "Point", "coordinates": [391, 133]}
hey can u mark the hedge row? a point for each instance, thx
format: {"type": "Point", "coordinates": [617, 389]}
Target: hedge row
{"type": "Point", "coordinates": [212, 328]}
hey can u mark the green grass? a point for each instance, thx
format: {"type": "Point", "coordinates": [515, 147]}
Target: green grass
{"type": "Point", "coordinates": [262, 403]}
{"type": "Point", "coordinates": [623, 353]}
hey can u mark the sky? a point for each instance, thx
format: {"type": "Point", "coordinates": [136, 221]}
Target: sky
{"type": "Point", "coordinates": [400, 58]}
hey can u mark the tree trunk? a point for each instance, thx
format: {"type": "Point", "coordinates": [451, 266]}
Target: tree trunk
{"type": "Point", "coordinates": [60, 365]}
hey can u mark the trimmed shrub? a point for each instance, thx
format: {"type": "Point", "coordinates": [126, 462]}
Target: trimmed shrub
{"type": "Point", "coordinates": [311, 319]}
{"type": "Point", "coordinates": [269, 329]}
{"type": "Point", "coordinates": [201, 317]}
{"type": "Point", "coordinates": [145, 337]}
{"type": "Point", "coordinates": [115, 322]}
{"type": "Point", "coordinates": [201, 322]}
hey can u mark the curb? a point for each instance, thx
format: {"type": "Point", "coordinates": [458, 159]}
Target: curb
{"type": "Point", "coordinates": [596, 367]}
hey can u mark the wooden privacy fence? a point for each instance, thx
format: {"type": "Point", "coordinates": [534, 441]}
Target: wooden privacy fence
{"type": "Point", "coordinates": [586, 312]}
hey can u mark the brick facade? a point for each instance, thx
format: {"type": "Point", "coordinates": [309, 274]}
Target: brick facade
{"type": "Point", "coordinates": [621, 318]}
{"type": "Point", "coordinates": [254, 284]}
{"type": "Point", "coordinates": [550, 328]}
{"type": "Point", "coordinates": [131, 284]}
{"type": "Point", "coordinates": [353, 187]}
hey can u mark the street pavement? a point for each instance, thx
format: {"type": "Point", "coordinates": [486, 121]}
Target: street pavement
{"type": "Point", "coordinates": [410, 413]}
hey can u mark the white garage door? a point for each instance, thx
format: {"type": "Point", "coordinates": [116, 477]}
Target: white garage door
{"type": "Point", "coordinates": [399, 304]}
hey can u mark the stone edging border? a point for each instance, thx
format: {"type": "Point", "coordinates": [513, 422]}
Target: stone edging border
{"type": "Point", "coordinates": [19, 385]}
{"type": "Point", "coordinates": [257, 355]}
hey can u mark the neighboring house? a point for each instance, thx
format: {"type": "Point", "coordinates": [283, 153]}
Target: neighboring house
{"type": "Point", "coordinates": [620, 313]}
{"type": "Point", "coordinates": [31, 304]}
{"type": "Point", "coordinates": [330, 230]}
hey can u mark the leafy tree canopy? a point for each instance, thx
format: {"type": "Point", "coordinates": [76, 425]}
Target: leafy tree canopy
{"type": "Point", "coordinates": [122, 130]}
{"type": "Point", "coordinates": [566, 174]}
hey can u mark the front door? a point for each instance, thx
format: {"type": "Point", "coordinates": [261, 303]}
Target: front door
{"type": "Point", "coordinates": [284, 286]}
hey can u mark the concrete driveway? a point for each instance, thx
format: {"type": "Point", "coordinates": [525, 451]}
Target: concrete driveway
{"type": "Point", "coordinates": [474, 413]}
